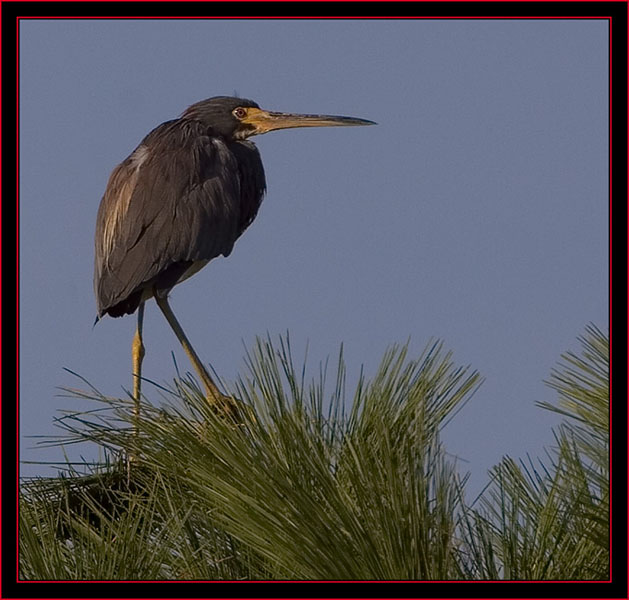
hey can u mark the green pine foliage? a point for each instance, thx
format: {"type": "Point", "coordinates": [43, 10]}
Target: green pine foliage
{"type": "Point", "coordinates": [312, 483]}
{"type": "Point", "coordinates": [549, 520]}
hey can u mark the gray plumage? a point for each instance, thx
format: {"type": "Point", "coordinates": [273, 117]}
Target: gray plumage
{"type": "Point", "coordinates": [182, 198]}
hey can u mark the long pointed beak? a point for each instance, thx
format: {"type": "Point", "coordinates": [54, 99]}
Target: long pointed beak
{"type": "Point", "coordinates": [264, 121]}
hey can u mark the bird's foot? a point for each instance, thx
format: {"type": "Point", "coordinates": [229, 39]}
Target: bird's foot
{"type": "Point", "coordinates": [230, 408]}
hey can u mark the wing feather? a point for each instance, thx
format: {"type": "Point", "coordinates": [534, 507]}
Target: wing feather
{"type": "Point", "coordinates": [182, 196]}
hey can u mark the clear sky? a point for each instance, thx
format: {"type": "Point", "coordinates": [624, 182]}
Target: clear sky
{"type": "Point", "coordinates": [474, 212]}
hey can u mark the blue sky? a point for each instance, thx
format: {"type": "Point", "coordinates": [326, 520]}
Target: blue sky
{"type": "Point", "coordinates": [476, 211]}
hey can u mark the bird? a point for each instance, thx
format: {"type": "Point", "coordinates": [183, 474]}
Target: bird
{"type": "Point", "coordinates": [183, 197]}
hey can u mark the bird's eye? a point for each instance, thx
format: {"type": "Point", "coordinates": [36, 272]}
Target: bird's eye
{"type": "Point", "coordinates": [239, 113]}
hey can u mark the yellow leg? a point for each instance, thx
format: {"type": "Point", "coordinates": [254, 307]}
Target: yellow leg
{"type": "Point", "coordinates": [137, 352]}
{"type": "Point", "coordinates": [138, 355]}
{"type": "Point", "coordinates": [212, 392]}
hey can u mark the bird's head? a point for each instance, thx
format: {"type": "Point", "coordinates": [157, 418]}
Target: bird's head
{"type": "Point", "coordinates": [238, 118]}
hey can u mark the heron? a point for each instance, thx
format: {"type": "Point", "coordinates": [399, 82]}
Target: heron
{"type": "Point", "coordinates": [182, 198]}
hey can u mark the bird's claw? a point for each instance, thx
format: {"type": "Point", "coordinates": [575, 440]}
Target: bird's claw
{"type": "Point", "coordinates": [230, 408]}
